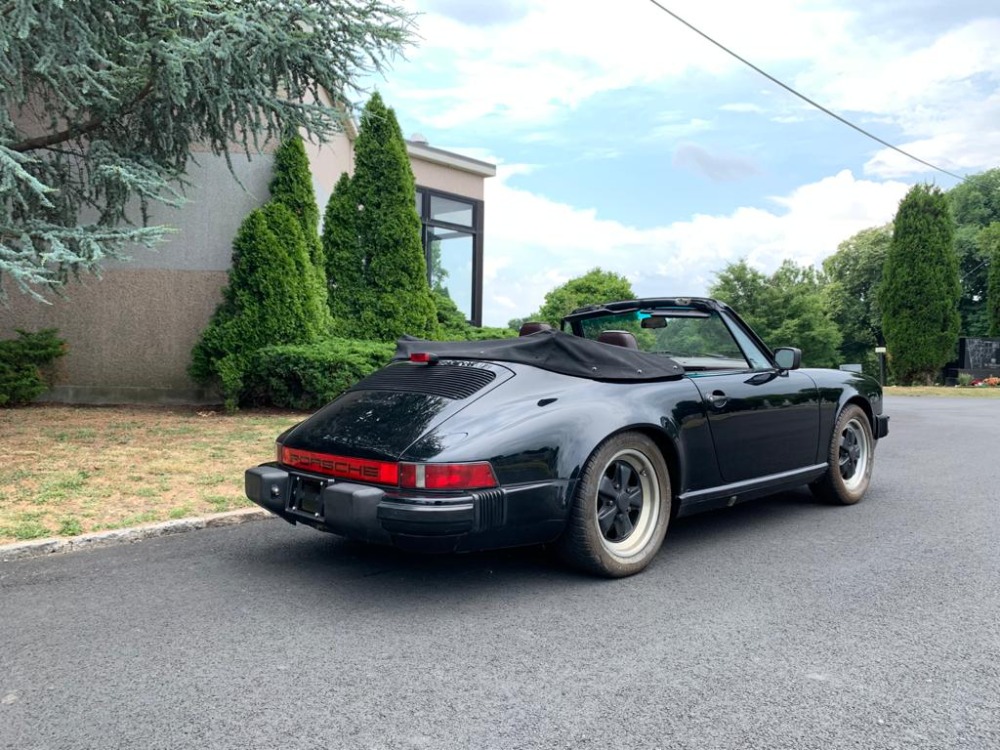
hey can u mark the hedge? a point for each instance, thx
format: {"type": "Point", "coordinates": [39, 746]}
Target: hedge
{"type": "Point", "coordinates": [22, 361]}
{"type": "Point", "coordinates": [307, 376]}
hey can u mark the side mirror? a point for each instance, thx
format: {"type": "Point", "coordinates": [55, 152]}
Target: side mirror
{"type": "Point", "coordinates": [788, 357]}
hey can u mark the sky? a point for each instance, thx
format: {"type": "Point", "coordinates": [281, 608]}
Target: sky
{"type": "Point", "coordinates": [625, 141]}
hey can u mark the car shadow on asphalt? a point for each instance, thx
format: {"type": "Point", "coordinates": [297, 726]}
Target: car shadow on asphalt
{"type": "Point", "coordinates": [304, 557]}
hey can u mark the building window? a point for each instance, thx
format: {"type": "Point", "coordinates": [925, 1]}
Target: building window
{"type": "Point", "coordinates": [453, 248]}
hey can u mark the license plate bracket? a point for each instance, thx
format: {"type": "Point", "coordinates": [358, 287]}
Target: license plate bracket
{"type": "Point", "coordinates": [307, 496]}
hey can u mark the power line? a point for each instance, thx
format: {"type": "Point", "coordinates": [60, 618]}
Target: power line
{"type": "Point", "coordinates": [803, 97]}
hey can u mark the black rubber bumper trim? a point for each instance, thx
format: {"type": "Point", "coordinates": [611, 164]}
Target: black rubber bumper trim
{"type": "Point", "coordinates": [457, 516]}
{"type": "Point", "coordinates": [881, 426]}
{"type": "Point", "coordinates": [268, 486]}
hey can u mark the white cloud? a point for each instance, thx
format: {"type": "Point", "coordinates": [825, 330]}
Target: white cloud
{"type": "Point", "coordinates": [742, 107]}
{"type": "Point", "coordinates": [928, 79]}
{"type": "Point", "coordinates": [534, 243]}
{"type": "Point", "coordinates": [942, 93]}
{"type": "Point", "coordinates": [559, 53]}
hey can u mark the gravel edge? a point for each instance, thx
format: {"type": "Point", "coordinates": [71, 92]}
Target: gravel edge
{"type": "Point", "coordinates": [41, 547]}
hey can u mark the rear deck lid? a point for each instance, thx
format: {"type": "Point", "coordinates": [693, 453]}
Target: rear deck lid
{"type": "Point", "coordinates": [387, 411]}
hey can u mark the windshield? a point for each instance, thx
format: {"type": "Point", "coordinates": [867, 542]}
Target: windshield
{"type": "Point", "coordinates": [697, 339]}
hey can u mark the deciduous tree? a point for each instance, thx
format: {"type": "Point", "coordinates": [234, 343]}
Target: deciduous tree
{"type": "Point", "coordinates": [853, 275]}
{"type": "Point", "coordinates": [594, 287]}
{"type": "Point", "coordinates": [989, 240]}
{"type": "Point", "coordinates": [787, 308]}
{"type": "Point", "coordinates": [975, 204]}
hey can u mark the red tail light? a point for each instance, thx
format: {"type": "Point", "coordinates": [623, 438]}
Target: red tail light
{"type": "Point", "coordinates": [360, 469]}
{"type": "Point", "coordinates": [423, 358]}
{"type": "Point", "coordinates": [468, 476]}
{"type": "Point", "coordinates": [475, 476]}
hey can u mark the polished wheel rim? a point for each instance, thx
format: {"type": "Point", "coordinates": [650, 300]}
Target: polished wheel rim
{"type": "Point", "coordinates": [855, 452]}
{"type": "Point", "coordinates": [628, 503]}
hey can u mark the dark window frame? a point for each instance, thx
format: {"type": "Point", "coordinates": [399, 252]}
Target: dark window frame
{"type": "Point", "coordinates": [476, 230]}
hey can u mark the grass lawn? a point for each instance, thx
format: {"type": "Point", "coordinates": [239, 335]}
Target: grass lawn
{"type": "Point", "coordinates": [70, 470]}
{"type": "Point", "coordinates": [942, 390]}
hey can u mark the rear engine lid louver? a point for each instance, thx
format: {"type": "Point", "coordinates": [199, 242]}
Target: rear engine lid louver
{"type": "Point", "coordinates": [447, 381]}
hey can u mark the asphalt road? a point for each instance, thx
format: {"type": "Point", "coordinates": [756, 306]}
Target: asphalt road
{"type": "Point", "coordinates": [777, 624]}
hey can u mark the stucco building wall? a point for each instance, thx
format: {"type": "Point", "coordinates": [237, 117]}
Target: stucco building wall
{"type": "Point", "coordinates": [130, 332]}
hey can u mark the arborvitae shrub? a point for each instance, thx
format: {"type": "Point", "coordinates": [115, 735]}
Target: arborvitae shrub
{"type": "Point", "coordinates": [920, 288]}
{"type": "Point", "coordinates": [394, 268]}
{"type": "Point", "coordinates": [268, 301]}
{"type": "Point", "coordinates": [292, 186]}
{"type": "Point", "coordinates": [345, 260]}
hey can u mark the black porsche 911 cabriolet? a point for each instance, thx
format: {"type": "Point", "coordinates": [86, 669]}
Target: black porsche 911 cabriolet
{"type": "Point", "coordinates": [591, 438]}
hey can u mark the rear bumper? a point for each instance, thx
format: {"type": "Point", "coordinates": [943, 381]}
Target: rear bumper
{"type": "Point", "coordinates": [881, 426]}
{"type": "Point", "coordinates": [527, 514]}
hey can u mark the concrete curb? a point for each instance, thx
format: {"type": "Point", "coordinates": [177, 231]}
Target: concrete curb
{"type": "Point", "coordinates": [41, 547]}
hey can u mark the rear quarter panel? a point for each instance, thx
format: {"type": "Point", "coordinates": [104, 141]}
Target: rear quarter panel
{"type": "Point", "coordinates": [542, 426]}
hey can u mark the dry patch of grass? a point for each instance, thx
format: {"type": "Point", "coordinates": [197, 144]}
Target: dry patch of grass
{"type": "Point", "coordinates": [72, 470]}
{"type": "Point", "coordinates": [942, 390]}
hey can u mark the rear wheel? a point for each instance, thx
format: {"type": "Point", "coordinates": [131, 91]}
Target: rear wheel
{"type": "Point", "coordinates": [849, 459]}
{"type": "Point", "coordinates": [621, 508]}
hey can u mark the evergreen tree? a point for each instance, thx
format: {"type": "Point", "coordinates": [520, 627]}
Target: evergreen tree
{"type": "Point", "coordinates": [101, 102]}
{"type": "Point", "coordinates": [920, 288]}
{"type": "Point", "coordinates": [345, 262]}
{"type": "Point", "coordinates": [292, 186]}
{"type": "Point", "coordinates": [398, 300]}
{"type": "Point", "coordinates": [989, 241]}
{"type": "Point", "coordinates": [265, 303]}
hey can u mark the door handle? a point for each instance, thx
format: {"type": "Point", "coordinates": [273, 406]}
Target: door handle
{"type": "Point", "coordinates": [717, 399]}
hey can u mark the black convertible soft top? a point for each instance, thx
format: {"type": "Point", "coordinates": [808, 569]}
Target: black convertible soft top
{"type": "Point", "coordinates": [554, 351]}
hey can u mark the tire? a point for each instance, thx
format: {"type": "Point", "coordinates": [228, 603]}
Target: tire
{"type": "Point", "coordinates": [620, 510]}
{"type": "Point", "coordinates": [849, 459]}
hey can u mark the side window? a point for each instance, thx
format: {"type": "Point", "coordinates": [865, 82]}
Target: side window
{"type": "Point", "coordinates": [758, 360]}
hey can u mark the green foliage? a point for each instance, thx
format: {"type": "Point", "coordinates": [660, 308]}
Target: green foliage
{"type": "Point", "coordinates": [308, 376]}
{"type": "Point", "coordinates": [24, 363]}
{"type": "Point", "coordinates": [787, 308]}
{"type": "Point", "coordinates": [594, 287]}
{"type": "Point", "coordinates": [920, 288]}
{"type": "Point", "coordinates": [103, 100]}
{"type": "Point", "coordinates": [452, 325]}
{"type": "Point", "coordinates": [976, 200]}
{"type": "Point", "coordinates": [989, 240]}
{"type": "Point", "coordinates": [451, 321]}
{"type": "Point", "coordinates": [397, 299]}
{"type": "Point", "coordinates": [269, 300]}
{"type": "Point", "coordinates": [975, 204]}
{"type": "Point", "coordinates": [853, 275]}
{"type": "Point", "coordinates": [292, 185]}
{"type": "Point", "coordinates": [345, 260]}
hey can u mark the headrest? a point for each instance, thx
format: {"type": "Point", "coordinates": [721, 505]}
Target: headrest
{"type": "Point", "coordinates": [618, 338]}
{"type": "Point", "coordinates": [533, 326]}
